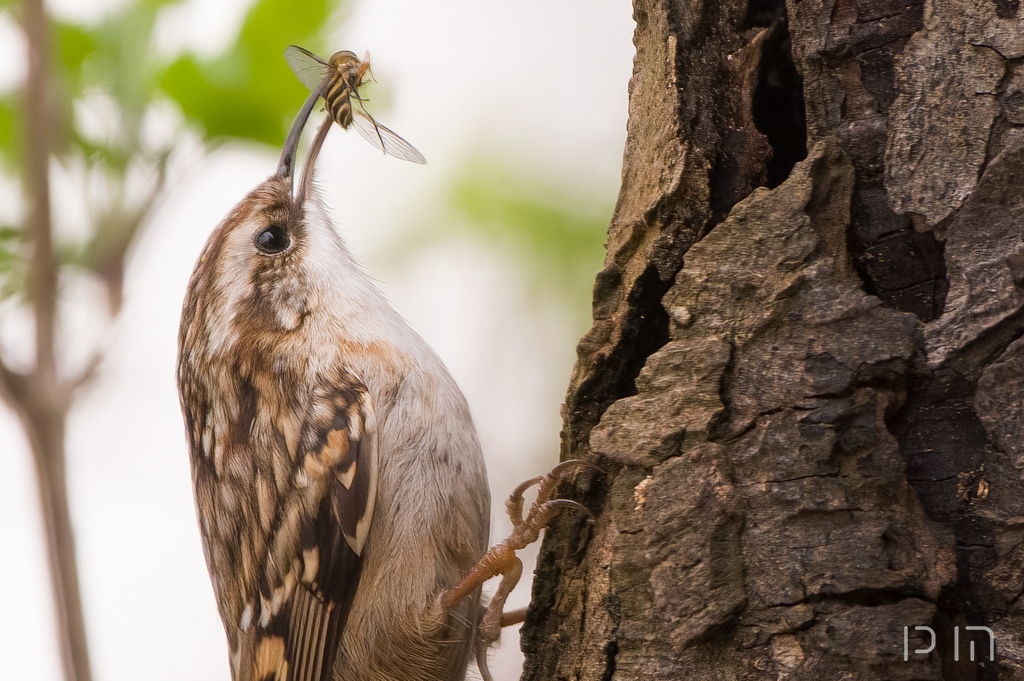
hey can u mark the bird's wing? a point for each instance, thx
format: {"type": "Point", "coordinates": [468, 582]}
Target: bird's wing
{"type": "Point", "coordinates": [285, 588]}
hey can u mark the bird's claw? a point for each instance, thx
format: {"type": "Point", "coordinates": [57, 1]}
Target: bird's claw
{"type": "Point", "coordinates": [540, 513]}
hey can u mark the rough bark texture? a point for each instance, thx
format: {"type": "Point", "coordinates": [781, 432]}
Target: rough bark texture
{"type": "Point", "coordinates": [804, 382]}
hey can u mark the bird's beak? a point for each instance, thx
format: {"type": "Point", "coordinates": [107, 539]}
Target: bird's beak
{"type": "Point", "coordinates": [306, 183]}
{"type": "Point", "coordinates": [286, 166]}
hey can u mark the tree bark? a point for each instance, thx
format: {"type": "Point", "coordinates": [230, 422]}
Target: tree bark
{"type": "Point", "coordinates": [804, 378]}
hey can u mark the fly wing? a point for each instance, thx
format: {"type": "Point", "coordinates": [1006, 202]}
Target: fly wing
{"type": "Point", "coordinates": [384, 139]}
{"type": "Point", "coordinates": [310, 68]}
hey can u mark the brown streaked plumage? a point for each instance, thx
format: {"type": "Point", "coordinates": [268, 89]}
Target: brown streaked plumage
{"type": "Point", "coordinates": [311, 411]}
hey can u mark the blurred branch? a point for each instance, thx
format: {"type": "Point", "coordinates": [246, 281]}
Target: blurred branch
{"type": "Point", "coordinates": [37, 397]}
{"type": "Point", "coordinates": [86, 375]}
{"type": "Point", "coordinates": [43, 269]}
{"type": "Point", "coordinates": [117, 229]}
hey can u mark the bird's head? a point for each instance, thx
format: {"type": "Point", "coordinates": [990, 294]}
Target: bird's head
{"type": "Point", "coordinates": [271, 266]}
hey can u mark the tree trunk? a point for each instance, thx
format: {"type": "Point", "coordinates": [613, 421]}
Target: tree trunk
{"type": "Point", "coordinates": [805, 378]}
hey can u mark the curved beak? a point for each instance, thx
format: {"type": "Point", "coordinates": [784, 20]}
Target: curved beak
{"type": "Point", "coordinates": [286, 166]}
{"type": "Point", "coordinates": [306, 183]}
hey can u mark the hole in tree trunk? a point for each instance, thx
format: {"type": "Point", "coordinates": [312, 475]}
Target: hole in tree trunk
{"type": "Point", "coordinates": [778, 105]}
{"type": "Point", "coordinates": [1007, 9]}
{"type": "Point", "coordinates": [764, 13]}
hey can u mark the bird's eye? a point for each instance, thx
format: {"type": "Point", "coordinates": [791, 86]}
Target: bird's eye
{"type": "Point", "coordinates": [273, 240]}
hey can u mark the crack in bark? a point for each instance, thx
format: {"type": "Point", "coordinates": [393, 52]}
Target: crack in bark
{"type": "Point", "coordinates": [802, 477]}
{"type": "Point", "coordinates": [865, 598]}
{"type": "Point", "coordinates": [778, 103]}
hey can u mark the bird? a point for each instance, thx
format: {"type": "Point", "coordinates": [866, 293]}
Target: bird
{"type": "Point", "coordinates": [311, 410]}
{"type": "Point", "coordinates": [340, 488]}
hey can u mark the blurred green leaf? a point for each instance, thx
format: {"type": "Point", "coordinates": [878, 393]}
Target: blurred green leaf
{"type": "Point", "coordinates": [10, 259]}
{"type": "Point", "coordinates": [8, 236]}
{"type": "Point", "coordinates": [249, 91]}
{"type": "Point", "coordinates": [10, 132]}
{"type": "Point", "coordinates": [557, 233]}
{"type": "Point", "coordinates": [561, 235]}
{"type": "Point", "coordinates": [74, 45]}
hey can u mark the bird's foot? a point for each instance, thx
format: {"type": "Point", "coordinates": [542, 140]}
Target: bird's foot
{"type": "Point", "coordinates": [501, 558]}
